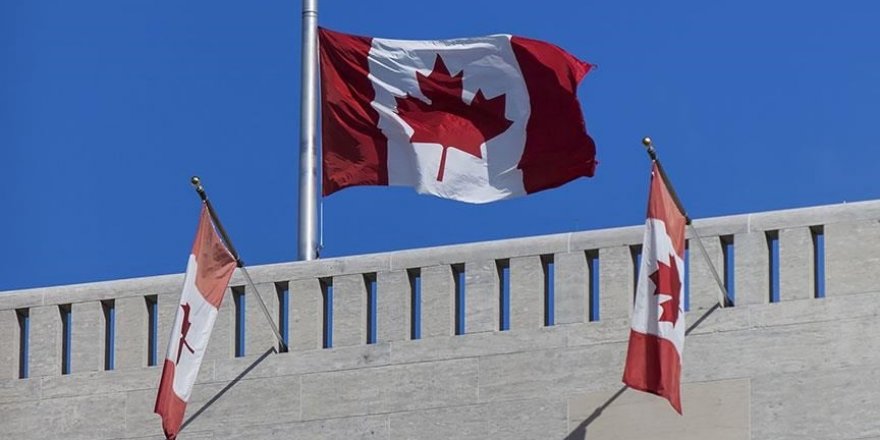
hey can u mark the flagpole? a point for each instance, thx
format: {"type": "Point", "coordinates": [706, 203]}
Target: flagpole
{"type": "Point", "coordinates": [307, 248]}
{"type": "Point", "coordinates": [197, 184]}
{"type": "Point", "coordinates": [652, 153]}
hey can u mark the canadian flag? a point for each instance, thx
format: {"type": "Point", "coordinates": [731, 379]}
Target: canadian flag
{"type": "Point", "coordinates": [475, 119]}
{"type": "Point", "coordinates": [656, 339]}
{"type": "Point", "coordinates": [207, 275]}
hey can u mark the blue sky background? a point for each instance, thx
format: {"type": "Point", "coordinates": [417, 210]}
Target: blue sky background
{"type": "Point", "coordinates": [108, 107]}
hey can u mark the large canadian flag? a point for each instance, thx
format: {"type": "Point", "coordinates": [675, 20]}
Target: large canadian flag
{"type": "Point", "coordinates": [207, 275]}
{"type": "Point", "coordinates": [475, 119]}
{"type": "Point", "coordinates": [656, 339]}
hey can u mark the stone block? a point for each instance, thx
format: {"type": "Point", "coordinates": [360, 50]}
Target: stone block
{"type": "Point", "coordinates": [132, 333]}
{"type": "Point", "coordinates": [572, 287]}
{"type": "Point", "coordinates": [389, 389]}
{"type": "Point", "coordinates": [306, 314]}
{"type": "Point", "coordinates": [712, 410]}
{"type": "Point", "coordinates": [797, 269]}
{"type": "Point", "coordinates": [349, 310]}
{"type": "Point", "coordinates": [438, 301]}
{"type": "Point", "coordinates": [781, 349]}
{"type": "Point", "coordinates": [459, 422]}
{"type": "Point", "coordinates": [852, 259]}
{"type": "Point", "coordinates": [817, 404]}
{"type": "Point", "coordinates": [478, 344]}
{"type": "Point", "coordinates": [433, 384]}
{"type": "Point", "coordinates": [218, 406]}
{"type": "Point", "coordinates": [87, 337]}
{"type": "Point", "coordinates": [86, 418]}
{"type": "Point", "coordinates": [704, 291]}
{"type": "Point", "coordinates": [345, 393]}
{"type": "Point", "coordinates": [258, 332]}
{"type": "Point", "coordinates": [527, 419]}
{"type": "Point", "coordinates": [481, 296]}
{"type": "Point", "coordinates": [44, 354]}
{"type": "Point", "coordinates": [17, 390]}
{"type": "Point", "coordinates": [751, 268]}
{"type": "Point", "coordinates": [617, 282]}
{"type": "Point", "coordinates": [524, 419]}
{"type": "Point", "coordinates": [526, 375]}
{"type": "Point", "coordinates": [394, 305]}
{"type": "Point", "coordinates": [11, 346]}
{"type": "Point", "coordinates": [222, 344]}
{"type": "Point", "coordinates": [167, 305]}
{"type": "Point", "coordinates": [354, 428]}
{"type": "Point", "coordinates": [526, 292]}
{"type": "Point", "coordinates": [304, 362]}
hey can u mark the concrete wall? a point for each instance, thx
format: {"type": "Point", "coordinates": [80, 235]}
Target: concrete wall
{"type": "Point", "coordinates": [802, 367]}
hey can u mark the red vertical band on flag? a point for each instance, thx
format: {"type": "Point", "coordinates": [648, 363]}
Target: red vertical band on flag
{"type": "Point", "coordinates": [661, 206]}
{"type": "Point", "coordinates": [168, 404]}
{"type": "Point", "coordinates": [653, 366]}
{"type": "Point", "coordinates": [558, 148]}
{"type": "Point", "coordinates": [215, 262]}
{"type": "Point", "coordinates": [355, 151]}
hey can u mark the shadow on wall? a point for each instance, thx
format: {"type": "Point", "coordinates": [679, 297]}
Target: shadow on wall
{"type": "Point", "coordinates": [580, 433]}
{"type": "Point", "coordinates": [228, 386]}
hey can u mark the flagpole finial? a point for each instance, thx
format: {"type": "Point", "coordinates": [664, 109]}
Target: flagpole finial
{"type": "Point", "coordinates": [197, 185]}
{"type": "Point", "coordinates": [649, 146]}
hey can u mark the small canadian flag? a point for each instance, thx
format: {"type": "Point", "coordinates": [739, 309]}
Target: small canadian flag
{"type": "Point", "coordinates": [471, 119]}
{"type": "Point", "coordinates": [656, 339]}
{"type": "Point", "coordinates": [208, 272]}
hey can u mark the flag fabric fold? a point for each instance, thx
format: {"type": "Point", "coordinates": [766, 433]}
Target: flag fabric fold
{"type": "Point", "coordinates": [473, 119]}
{"type": "Point", "coordinates": [208, 271]}
{"type": "Point", "coordinates": [656, 341]}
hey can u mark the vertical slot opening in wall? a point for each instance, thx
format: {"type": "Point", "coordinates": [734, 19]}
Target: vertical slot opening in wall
{"type": "Point", "coordinates": [282, 289]}
{"type": "Point", "coordinates": [635, 253]}
{"type": "Point", "coordinates": [549, 269]}
{"type": "Point", "coordinates": [239, 300]}
{"type": "Point", "coordinates": [593, 283]}
{"type": "Point", "coordinates": [327, 294]}
{"type": "Point", "coordinates": [66, 322]}
{"type": "Point", "coordinates": [458, 279]}
{"type": "Point", "coordinates": [24, 324]}
{"type": "Point", "coordinates": [415, 292]}
{"type": "Point", "coordinates": [109, 309]}
{"type": "Point", "coordinates": [372, 307]}
{"type": "Point", "coordinates": [687, 275]}
{"type": "Point", "coordinates": [728, 255]}
{"type": "Point", "coordinates": [152, 303]}
{"type": "Point", "coordinates": [773, 269]}
{"type": "Point", "coordinates": [818, 235]}
{"type": "Point", "coordinates": [503, 268]}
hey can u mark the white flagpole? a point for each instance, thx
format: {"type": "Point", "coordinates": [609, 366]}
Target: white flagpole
{"type": "Point", "coordinates": [307, 248]}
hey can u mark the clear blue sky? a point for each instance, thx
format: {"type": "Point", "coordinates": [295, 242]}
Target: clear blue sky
{"type": "Point", "coordinates": [108, 107]}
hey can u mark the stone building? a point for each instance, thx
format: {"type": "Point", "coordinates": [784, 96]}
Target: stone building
{"type": "Point", "coordinates": [514, 339]}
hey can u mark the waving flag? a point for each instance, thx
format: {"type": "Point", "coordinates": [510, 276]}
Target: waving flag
{"type": "Point", "coordinates": [476, 119]}
{"type": "Point", "coordinates": [207, 275]}
{"type": "Point", "coordinates": [656, 339]}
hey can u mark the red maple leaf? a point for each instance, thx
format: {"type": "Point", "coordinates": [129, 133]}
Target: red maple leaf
{"type": "Point", "coordinates": [447, 120]}
{"type": "Point", "coordinates": [667, 282]}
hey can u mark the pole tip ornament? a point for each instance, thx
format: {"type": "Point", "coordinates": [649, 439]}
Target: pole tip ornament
{"type": "Point", "coordinates": [649, 147]}
{"type": "Point", "coordinates": [197, 185]}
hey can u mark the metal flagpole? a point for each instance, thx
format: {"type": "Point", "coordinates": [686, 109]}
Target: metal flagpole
{"type": "Point", "coordinates": [649, 146]}
{"type": "Point", "coordinates": [197, 184]}
{"type": "Point", "coordinates": [308, 153]}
